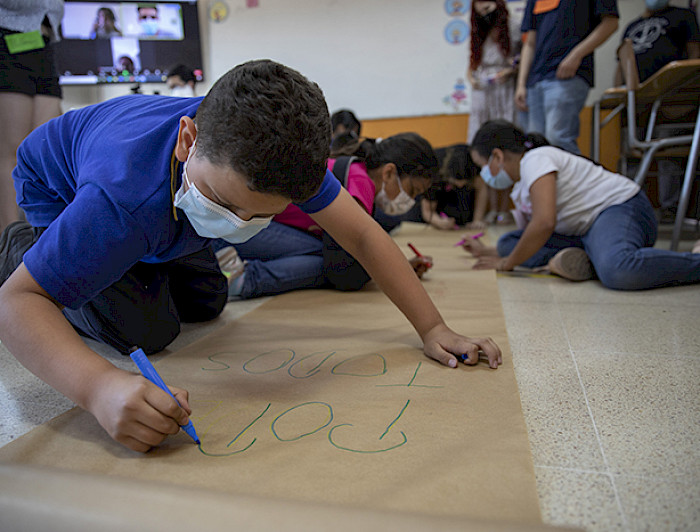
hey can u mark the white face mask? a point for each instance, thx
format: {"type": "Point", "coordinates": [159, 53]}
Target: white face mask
{"type": "Point", "coordinates": [183, 91]}
{"type": "Point", "coordinates": [211, 220]}
{"type": "Point", "coordinates": [401, 204]}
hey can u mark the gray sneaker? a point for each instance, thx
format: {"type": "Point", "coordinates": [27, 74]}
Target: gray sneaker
{"type": "Point", "coordinates": [572, 264]}
{"type": "Point", "coordinates": [17, 238]}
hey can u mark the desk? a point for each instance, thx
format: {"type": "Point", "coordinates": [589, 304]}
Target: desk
{"type": "Point", "coordinates": [674, 87]}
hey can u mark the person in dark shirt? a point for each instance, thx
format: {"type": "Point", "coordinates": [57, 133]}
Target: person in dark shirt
{"type": "Point", "coordinates": [661, 35]}
{"type": "Point", "coordinates": [556, 65]}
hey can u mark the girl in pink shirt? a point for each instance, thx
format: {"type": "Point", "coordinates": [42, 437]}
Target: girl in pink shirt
{"type": "Point", "coordinates": [293, 253]}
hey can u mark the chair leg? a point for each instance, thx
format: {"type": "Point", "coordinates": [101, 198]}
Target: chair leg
{"type": "Point", "coordinates": [687, 186]}
{"type": "Point", "coordinates": [644, 165]}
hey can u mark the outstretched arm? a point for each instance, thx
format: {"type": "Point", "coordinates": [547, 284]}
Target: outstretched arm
{"type": "Point", "coordinates": [363, 238]}
{"type": "Point", "coordinates": [543, 194]}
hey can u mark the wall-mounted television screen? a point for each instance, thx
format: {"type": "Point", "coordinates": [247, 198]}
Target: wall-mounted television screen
{"type": "Point", "coordinates": [128, 41]}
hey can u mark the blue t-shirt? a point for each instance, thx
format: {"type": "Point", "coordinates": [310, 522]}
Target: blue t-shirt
{"type": "Point", "coordinates": [661, 38]}
{"type": "Point", "coordinates": [560, 26]}
{"type": "Point", "coordinates": [99, 179]}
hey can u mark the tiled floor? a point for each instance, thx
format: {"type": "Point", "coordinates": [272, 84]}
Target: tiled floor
{"type": "Point", "coordinates": [610, 388]}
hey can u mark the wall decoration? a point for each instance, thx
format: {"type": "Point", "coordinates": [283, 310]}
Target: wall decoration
{"type": "Point", "coordinates": [457, 8]}
{"type": "Point", "coordinates": [458, 98]}
{"type": "Point", "coordinates": [456, 32]}
{"type": "Point", "coordinates": [218, 11]}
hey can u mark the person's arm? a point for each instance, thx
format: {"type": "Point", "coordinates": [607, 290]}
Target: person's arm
{"type": "Point", "coordinates": [134, 412]}
{"type": "Point", "coordinates": [428, 211]}
{"type": "Point", "coordinates": [543, 195]}
{"type": "Point", "coordinates": [618, 81]}
{"type": "Point", "coordinates": [526, 58]}
{"type": "Point", "coordinates": [693, 49]}
{"type": "Point", "coordinates": [473, 81]}
{"type": "Point", "coordinates": [570, 63]}
{"type": "Point", "coordinates": [363, 238]}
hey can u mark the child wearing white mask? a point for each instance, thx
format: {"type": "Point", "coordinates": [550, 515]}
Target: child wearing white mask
{"type": "Point", "coordinates": [294, 253]}
{"type": "Point", "coordinates": [580, 220]}
{"type": "Point", "coordinates": [118, 242]}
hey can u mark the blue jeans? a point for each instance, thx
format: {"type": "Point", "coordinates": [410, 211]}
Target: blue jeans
{"type": "Point", "coordinates": [619, 246]}
{"type": "Point", "coordinates": [280, 258]}
{"type": "Point", "coordinates": [553, 110]}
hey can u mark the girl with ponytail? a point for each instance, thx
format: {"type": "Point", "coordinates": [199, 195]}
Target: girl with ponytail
{"type": "Point", "coordinates": [580, 221]}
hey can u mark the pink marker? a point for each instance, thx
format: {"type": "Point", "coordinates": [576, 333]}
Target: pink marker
{"type": "Point", "coordinates": [473, 237]}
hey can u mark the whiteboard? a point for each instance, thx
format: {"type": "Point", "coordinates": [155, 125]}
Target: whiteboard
{"type": "Point", "coordinates": [380, 58]}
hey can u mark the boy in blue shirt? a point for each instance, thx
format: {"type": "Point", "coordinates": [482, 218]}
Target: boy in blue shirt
{"type": "Point", "coordinates": [556, 64]}
{"type": "Point", "coordinates": [122, 200]}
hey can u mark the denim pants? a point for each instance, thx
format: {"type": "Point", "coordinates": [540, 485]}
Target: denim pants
{"type": "Point", "coordinates": [553, 110]}
{"type": "Point", "coordinates": [280, 258]}
{"type": "Point", "coordinates": [619, 246]}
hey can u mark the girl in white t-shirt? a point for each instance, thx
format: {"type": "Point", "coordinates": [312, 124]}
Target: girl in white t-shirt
{"type": "Point", "coordinates": [579, 220]}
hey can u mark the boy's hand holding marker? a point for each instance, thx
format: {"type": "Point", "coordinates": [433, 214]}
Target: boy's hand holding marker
{"type": "Point", "coordinates": [440, 344]}
{"type": "Point", "coordinates": [135, 412]}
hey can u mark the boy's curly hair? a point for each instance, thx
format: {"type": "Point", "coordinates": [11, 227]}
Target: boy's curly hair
{"type": "Point", "coordinates": [271, 124]}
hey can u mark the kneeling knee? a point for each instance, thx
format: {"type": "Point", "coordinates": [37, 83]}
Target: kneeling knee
{"type": "Point", "coordinates": [617, 279]}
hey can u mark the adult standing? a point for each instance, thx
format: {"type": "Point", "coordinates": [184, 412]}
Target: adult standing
{"type": "Point", "coordinates": [556, 68]}
{"type": "Point", "coordinates": [29, 91]}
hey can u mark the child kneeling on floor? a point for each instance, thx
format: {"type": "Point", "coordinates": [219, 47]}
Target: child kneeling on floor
{"type": "Point", "coordinates": [123, 201]}
{"type": "Point", "coordinates": [580, 220]}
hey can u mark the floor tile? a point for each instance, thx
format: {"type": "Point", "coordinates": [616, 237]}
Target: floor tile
{"type": "Point", "coordinates": [578, 498]}
{"type": "Point", "coordinates": [559, 424]}
{"type": "Point", "coordinates": [595, 292]}
{"type": "Point", "coordinates": [647, 412]}
{"type": "Point", "coordinates": [513, 287]}
{"type": "Point", "coordinates": [660, 504]}
{"type": "Point", "coordinates": [534, 326]}
{"type": "Point", "coordinates": [660, 329]}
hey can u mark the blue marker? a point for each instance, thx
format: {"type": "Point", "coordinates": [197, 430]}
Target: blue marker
{"type": "Point", "coordinates": [148, 371]}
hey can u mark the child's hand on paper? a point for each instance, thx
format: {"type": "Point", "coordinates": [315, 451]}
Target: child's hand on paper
{"type": "Point", "coordinates": [490, 263]}
{"type": "Point", "coordinates": [136, 412]}
{"type": "Point", "coordinates": [443, 222]}
{"type": "Point", "coordinates": [473, 246]}
{"type": "Point", "coordinates": [421, 264]}
{"type": "Point", "coordinates": [448, 347]}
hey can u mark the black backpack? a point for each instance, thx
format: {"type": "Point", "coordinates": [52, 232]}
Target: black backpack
{"type": "Point", "coordinates": [341, 168]}
{"type": "Point", "coordinates": [340, 269]}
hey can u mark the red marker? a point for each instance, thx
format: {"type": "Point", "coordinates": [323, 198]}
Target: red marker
{"type": "Point", "coordinates": [419, 254]}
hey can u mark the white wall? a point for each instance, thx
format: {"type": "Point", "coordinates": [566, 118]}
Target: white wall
{"type": "Point", "coordinates": [381, 58]}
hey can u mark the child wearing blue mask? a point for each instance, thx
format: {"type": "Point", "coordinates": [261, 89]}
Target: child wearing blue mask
{"type": "Point", "coordinates": [294, 253]}
{"type": "Point", "coordinates": [123, 199]}
{"type": "Point", "coordinates": [580, 220]}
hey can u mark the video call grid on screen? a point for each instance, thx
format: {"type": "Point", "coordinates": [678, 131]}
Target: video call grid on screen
{"type": "Point", "coordinates": [127, 42]}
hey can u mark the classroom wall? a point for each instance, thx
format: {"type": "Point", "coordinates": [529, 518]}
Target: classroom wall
{"type": "Point", "coordinates": [387, 60]}
{"type": "Point", "coordinates": [444, 130]}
